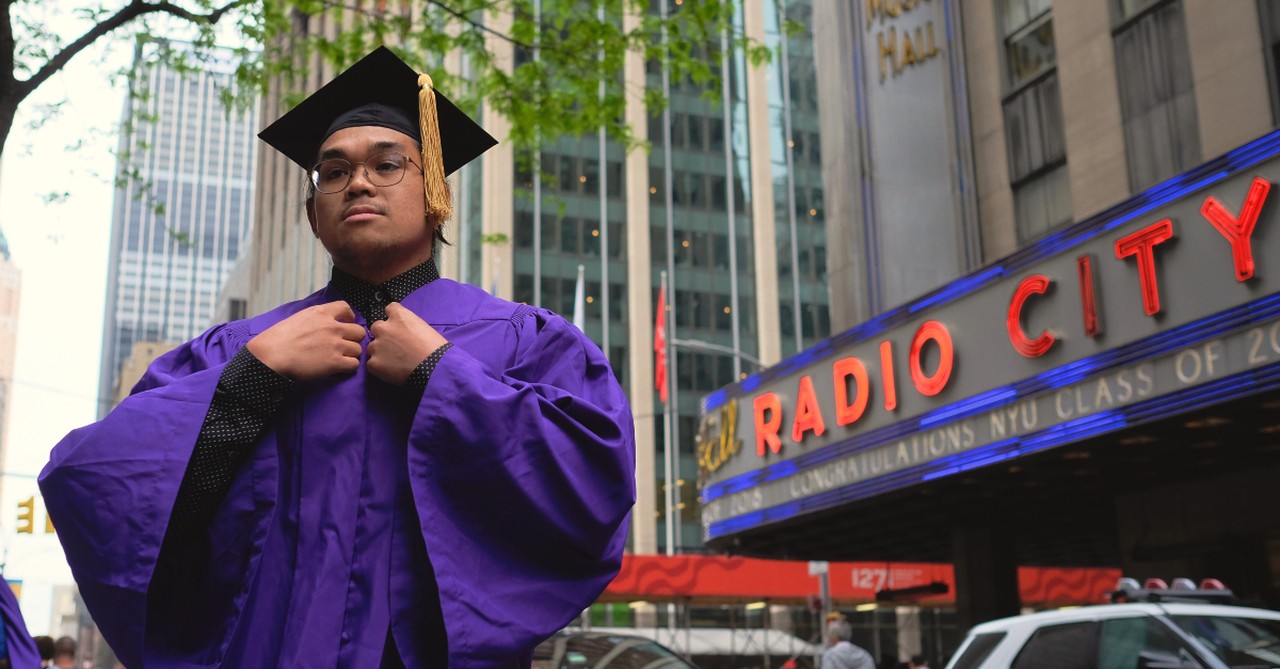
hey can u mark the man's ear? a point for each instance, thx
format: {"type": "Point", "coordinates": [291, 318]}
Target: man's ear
{"type": "Point", "coordinates": [311, 216]}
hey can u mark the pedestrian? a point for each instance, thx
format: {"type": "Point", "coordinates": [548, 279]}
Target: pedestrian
{"type": "Point", "coordinates": [44, 647]}
{"type": "Point", "coordinates": [396, 471]}
{"type": "Point", "coordinates": [840, 652]}
{"type": "Point", "coordinates": [64, 653]}
{"type": "Point", "coordinates": [918, 661]}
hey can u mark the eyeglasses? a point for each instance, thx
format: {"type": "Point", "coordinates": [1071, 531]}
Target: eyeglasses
{"type": "Point", "coordinates": [382, 169]}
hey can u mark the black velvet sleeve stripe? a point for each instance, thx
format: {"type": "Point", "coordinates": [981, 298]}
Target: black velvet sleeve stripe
{"type": "Point", "coordinates": [422, 373]}
{"type": "Point", "coordinates": [248, 395]}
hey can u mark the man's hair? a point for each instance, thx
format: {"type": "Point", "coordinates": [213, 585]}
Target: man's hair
{"type": "Point", "coordinates": [840, 629]}
{"type": "Point", "coordinates": [44, 644]}
{"type": "Point", "coordinates": [64, 646]}
{"type": "Point", "coordinates": [919, 660]}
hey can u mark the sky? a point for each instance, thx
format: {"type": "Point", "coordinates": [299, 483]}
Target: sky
{"type": "Point", "coordinates": [61, 249]}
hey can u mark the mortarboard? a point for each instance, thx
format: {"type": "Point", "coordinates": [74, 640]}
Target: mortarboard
{"type": "Point", "coordinates": [382, 90]}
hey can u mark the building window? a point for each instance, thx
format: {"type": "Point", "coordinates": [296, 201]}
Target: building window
{"type": "Point", "coordinates": [1269, 15]}
{"type": "Point", "coordinates": [1157, 101]}
{"type": "Point", "coordinates": [1033, 119]}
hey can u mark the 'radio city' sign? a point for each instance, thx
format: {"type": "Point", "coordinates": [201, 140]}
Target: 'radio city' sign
{"type": "Point", "coordinates": [1158, 298]}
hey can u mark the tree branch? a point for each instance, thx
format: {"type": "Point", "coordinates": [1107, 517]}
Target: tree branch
{"type": "Point", "coordinates": [480, 26]}
{"type": "Point", "coordinates": [129, 12]}
{"type": "Point", "coordinates": [475, 25]}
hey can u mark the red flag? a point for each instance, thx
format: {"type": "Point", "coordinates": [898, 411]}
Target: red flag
{"type": "Point", "coordinates": [660, 347]}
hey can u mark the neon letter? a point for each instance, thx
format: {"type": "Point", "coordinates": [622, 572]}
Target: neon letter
{"type": "Point", "coordinates": [932, 385]}
{"type": "Point", "coordinates": [1088, 299]}
{"type": "Point", "coordinates": [846, 413]}
{"type": "Point", "coordinates": [1142, 244]}
{"type": "Point", "coordinates": [1036, 284]}
{"type": "Point", "coordinates": [767, 428]}
{"type": "Point", "coordinates": [808, 414]}
{"type": "Point", "coordinates": [1239, 231]}
{"type": "Point", "coordinates": [886, 375]}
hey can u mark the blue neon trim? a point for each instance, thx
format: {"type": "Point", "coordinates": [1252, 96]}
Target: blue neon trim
{"type": "Point", "coordinates": [1209, 327]}
{"type": "Point", "coordinates": [715, 399]}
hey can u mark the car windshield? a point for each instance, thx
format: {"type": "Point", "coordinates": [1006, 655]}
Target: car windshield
{"type": "Point", "coordinates": [1237, 641]}
{"type": "Point", "coordinates": [605, 652]}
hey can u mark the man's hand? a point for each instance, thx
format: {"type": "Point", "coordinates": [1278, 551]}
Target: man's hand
{"type": "Point", "coordinates": [312, 344]}
{"type": "Point", "coordinates": [400, 344]}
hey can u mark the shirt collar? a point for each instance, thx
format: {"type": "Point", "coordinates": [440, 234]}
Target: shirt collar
{"type": "Point", "coordinates": [370, 300]}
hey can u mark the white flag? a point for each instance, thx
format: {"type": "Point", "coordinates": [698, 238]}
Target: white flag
{"type": "Point", "coordinates": [579, 301]}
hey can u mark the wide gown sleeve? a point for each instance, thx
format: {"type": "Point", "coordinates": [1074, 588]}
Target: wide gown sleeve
{"type": "Point", "coordinates": [22, 650]}
{"type": "Point", "coordinates": [523, 479]}
{"type": "Point", "coordinates": [110, 486]}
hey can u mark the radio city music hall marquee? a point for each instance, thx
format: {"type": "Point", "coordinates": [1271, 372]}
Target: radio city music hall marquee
{"type": "Point", "coordinates": [1090, 330]}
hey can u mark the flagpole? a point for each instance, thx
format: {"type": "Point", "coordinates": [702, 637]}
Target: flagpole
{"type": "Point", "coordinates": [668, 460]}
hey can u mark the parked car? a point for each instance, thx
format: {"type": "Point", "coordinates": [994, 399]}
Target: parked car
{"type": "Point", "coordinates": [604, 650]}
{"type": "Point", "coordinates": [1148, 628]}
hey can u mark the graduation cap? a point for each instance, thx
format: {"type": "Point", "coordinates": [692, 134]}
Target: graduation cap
{"type": "Point", "coordinates": [382, 90]}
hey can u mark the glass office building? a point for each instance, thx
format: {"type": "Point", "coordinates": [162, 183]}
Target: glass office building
{"type": "Point", "coordinates": [183, 206]}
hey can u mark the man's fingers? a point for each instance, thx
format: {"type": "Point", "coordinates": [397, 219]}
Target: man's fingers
{"type": "Point", "coordinates": [350, 349]}
{"type": "Point", "coordinates": [339, 310]}
{"type": "Point", "coordinates": [351, 331]}
{"type": "Point", "coordinates": [347, 364]}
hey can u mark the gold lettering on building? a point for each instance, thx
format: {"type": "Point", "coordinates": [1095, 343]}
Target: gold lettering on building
{"type": "Point", "coordinates": [900, 49]}
{"type": "Point", "coordinates": [717, 448]}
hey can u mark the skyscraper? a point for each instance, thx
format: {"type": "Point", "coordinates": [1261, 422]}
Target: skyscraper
{"type": "Point", "coordinates": [182, 207]}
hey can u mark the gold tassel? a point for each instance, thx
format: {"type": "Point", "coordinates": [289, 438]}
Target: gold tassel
{"type": "Point", "coordinates": [439, 205]}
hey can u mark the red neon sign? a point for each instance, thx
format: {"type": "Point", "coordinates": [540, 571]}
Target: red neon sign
{"type": "Point", "coordinates": [1036, 284]}
{"type": "Point", "coordinates": [1088, 301]}
{"type": "Point", "coordinates": [1142, 244]}
{"type": "Point", "coordinates": [937, 333]}
{"type": "Point", "coordinates": [1239, 231]}
{"type": "Point", "coordinates": [846, 413]}
{"type": "Point", "coordinates": [852, 380]}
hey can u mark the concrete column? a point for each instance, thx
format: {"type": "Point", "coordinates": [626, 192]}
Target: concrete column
{"type": "Point", "coordinates": [909, 641]}
{"type": "Point", "coordinates": [986, 574]}
{"type": "Point", "coordinates": [644, 526]}
{"type": "Point", "coordinates": [498, 174]}
{"type": "Point", "coordinates": [833, 41]}
{"type": "Point", "coordinates": [986, 118]}
{"type": "Point", "coordinates": [1094, 132]}
{"type": "Point", "coordinates": [1230, 76]}
{"type": "Point", "coordinates": [762, 209]}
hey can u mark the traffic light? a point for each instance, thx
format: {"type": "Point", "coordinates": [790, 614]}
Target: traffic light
{"type": "Point", "coordinates": [27, 515]}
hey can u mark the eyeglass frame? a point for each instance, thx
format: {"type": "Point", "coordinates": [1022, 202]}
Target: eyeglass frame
{"type": "Point", "coordinates": [314, 173]}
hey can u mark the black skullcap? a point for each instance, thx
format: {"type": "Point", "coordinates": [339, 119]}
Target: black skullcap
{"type": "Point", "coordinates": [380, 90]}
{"type": "Point", "coordinates": [375, 113]}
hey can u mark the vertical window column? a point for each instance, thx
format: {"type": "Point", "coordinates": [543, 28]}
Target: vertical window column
{"type": "Point", "coordinates": [1157, 100]}
{"type": "Point", "coordinates": [1033, 119]}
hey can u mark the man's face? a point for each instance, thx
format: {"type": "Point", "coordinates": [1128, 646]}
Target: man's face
{"type": "Point", "coordinates": [373, 232]}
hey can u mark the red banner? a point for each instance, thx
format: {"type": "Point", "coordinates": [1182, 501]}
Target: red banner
{"type": "Point", "coordinates": [735, 579]}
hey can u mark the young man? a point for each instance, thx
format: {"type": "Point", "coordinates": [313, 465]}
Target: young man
{"type": "Point", "coordinates": [398, 470]}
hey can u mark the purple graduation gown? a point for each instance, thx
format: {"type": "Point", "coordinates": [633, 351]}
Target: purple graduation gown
{"type": "Point", "coordinates": [22, 650]}
{"type": "Point", "coordinates": [514, 473]}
